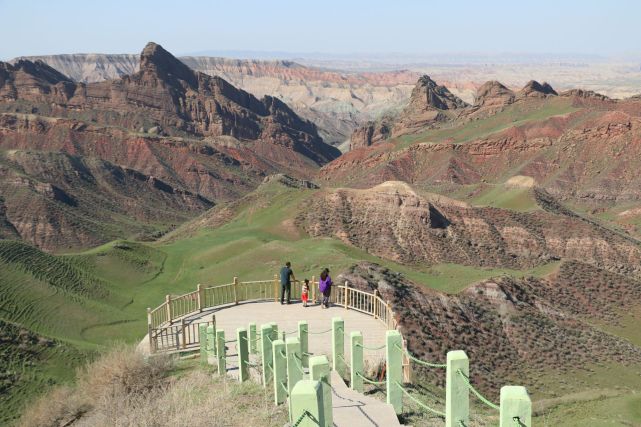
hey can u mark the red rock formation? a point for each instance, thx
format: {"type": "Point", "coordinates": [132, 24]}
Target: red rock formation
{"type": "Point", "coordinates": [184, 130]}
{"type": "Point", "coordinates": [534, 89]}
{"type": "Point", "coordinates": [493, 94]}
{"type": "Point", "coordinates": [394, 222]}
{"type": "Point", "coordinates": [370, 133]}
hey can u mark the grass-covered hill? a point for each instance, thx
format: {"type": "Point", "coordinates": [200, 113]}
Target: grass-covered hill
{"type": "Point", "coordinates": [74, 305]}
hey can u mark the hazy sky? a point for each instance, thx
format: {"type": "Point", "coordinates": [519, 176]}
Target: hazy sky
{"type": "Point", "coordinates": [330, 26]}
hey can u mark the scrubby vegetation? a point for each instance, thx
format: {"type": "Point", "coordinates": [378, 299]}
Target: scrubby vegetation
{"type": "Point", "coordinates": [123, 388]}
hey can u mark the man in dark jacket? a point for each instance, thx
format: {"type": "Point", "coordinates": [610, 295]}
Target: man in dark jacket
{"type": "Point", "coordinates": [286, 277]}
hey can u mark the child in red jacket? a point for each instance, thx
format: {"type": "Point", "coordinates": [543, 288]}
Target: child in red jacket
{"type": "Point", "coordinates": [305, 292]}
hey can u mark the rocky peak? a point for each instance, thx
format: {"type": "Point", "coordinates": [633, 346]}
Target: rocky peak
{"type": "Point", "coordinates": [427, 94]}
{"type": "Point", "coordinates": [493, 93]}
{"type": "Point", "coordinates": [586, 94]}
{"type": "Point", "coordinates": [155, 60]}
{"type": "Point", "coordinates": [40, 70]}
{"type": "Point", "coordinates": [537, 90]}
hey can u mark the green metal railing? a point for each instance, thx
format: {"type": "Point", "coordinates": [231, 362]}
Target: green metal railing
{"type": "Point", "coordinates": [303, 380]}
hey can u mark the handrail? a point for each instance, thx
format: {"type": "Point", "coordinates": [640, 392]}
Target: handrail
{"type": "Point", "coordinates": [176, 307]}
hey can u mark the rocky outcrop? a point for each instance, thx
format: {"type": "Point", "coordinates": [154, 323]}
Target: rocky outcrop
{"type": "Point", "coordinates": [493, 94]}
{"type": "Point", "coordinates": [167, 93]}
{"type": "Point", "coordinates": [370, 133]}
{"type": "Point", "coordinates": [184, 133]}
{"type": "Point", "coordinates": [428, 95]}
{"type": "Point", "coordinates": [585, 94]}
{"type": "Point", "coordinates": [394, 222]}
{"type": "Point", "coordinates": [89, 67]}
{"type": "Point", "coordinates": [290, 182]}
{"type": "Point", "coordinates": [337, 102]}
{"type": "Point", "coordinates": [534, 89]}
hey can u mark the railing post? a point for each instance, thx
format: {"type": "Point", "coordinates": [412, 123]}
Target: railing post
{"type": "Point", "coordinates": [516, 407]}
{"type": "Point", "coordinates": [407, 365]}
{"type": "Point", "coordinates": [253, 348]}
{"type": "Point", "coordinates": [211, 342]}
{"type": "Point", "coordinates": [376, 315]}
{"type": "Point", "coordinates": [303, 337]}
{"type": "Point", "coordinates": [356, 360]}
{"type": "Point", "coordinates": [338, 345]}
{"type": "Point", "coordinates": [243, 354]}
{"type": "Point", "coordinates": [393, 340]}
{"type": "Point", "coordinates": [319, 371]}
{"type": "Point", "coordinates": [168, 303]}
{"type": "Point", "coordinates": [149, 331]}
{"type": "Point", "coordinates": [280, 371]}
{"type": "Point", "coordinates": [182, 332]}
{"type": "Point", "coordinates": [266, 352]}
{"type": "Point", "coordinates": [276, 287]}
{"type": "Point", "coordinates": [221, 352]}
{"type": "Point", "coordinates": [313, 285]}
{"type": "Point", "coordinates": [202, 340]}
{"type": "Point", "coordinates": [201, 297]}
{"type": "Point", "coordinates": [457, 395]}
{"type": "Point", "coordinates": [235, 287]}
{"type": "Point", "coordinates": [307, 402]}
{"type": "Point", "coordinates": [274, 334]}
{"type": "Point", "coordinates": [294, 365]}
{"type": "Point", "coordinates": [346, 299]}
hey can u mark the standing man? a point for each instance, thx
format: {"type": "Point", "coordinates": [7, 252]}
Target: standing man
{"type": "Point", "coordinates": [286, 277]}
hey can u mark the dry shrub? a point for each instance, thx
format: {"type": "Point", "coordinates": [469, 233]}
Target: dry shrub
{"type": "Point", "coordinates": [122, 371]}
{"type": "Point", "coordinates": [59, 407]}
{"type": "Point", "coordinates": [124, 389]}
{"type": "Point", "coordinates": [196, 399]}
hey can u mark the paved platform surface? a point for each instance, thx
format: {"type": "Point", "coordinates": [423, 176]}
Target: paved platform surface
{"type": "Point", "coordinates": [350, 409]}
{"type": "Point", "coordinates": [286, 317]}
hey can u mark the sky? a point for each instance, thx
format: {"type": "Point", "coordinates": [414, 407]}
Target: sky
{"type": "Point", "coordinates": [607, 28]}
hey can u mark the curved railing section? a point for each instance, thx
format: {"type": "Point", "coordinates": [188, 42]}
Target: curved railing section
{"type": "Point", "coordinates": [286, 363]}
{"type": "Point", "coordinates": [170, 330]}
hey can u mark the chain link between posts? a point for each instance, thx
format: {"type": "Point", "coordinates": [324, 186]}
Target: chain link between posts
{"type": "Point", "coordinates": [476, 393]}
{"type": "Point", "coordinates": [418, 402]}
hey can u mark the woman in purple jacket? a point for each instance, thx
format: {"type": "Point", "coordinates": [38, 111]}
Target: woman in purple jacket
{"type": "Point", "coordinates": [325, 286]}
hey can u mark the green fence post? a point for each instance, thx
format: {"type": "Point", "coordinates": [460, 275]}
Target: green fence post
{"type": "Point", "coordinates": [394, 356]}
{"type": "Point", "coordinates": [221, 353]}
{"type": "Point", "coordinates": [356, 382]}
{"type": "Point", "coordinates": [202, 340]}
{"type": "Point", "coordinates": [294, 365]}
{"type": "Point", "coordinates": [211, 343]}
{"type": "Point", "coordinates": [307, 407]}
{"type": "Point", "coordinates": [457, 394]}
{"type": "Point", "coordinates": [280, 371]}
{"type": "Point", "coordinates": [303, 331]}
{"type": "Point", "coordinates": [253, 348]}
{"type": "Point", "coordinates": [243, 354]}
{"type": "Point", "coordinates": [516, 407]}
{"type": "Point", "coordinates": [274, 334]}
{"type": "Point", "coordinates": [338, 345]}
{"type": "Point", "coordinates": [266, 352]}
{"type": "Point", "coordinates": [319, 371]}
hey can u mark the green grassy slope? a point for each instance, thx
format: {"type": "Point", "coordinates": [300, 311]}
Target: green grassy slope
{"type": "Point", "coordinates": [85, 301]}
{"type": "Point", "coordinates": [513, 115]}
